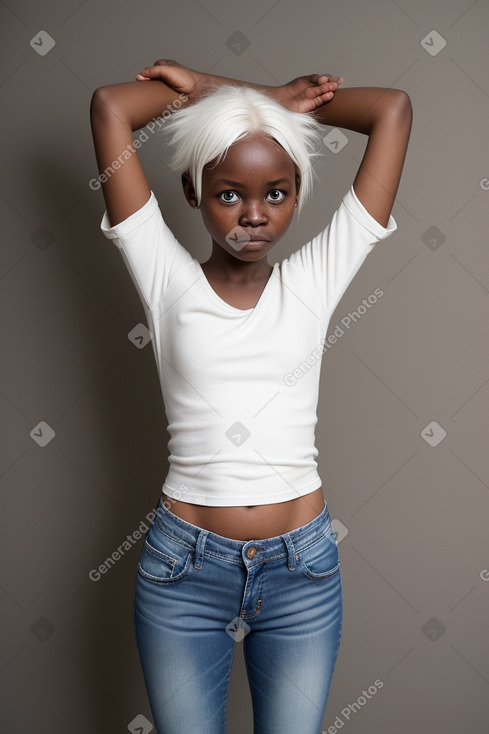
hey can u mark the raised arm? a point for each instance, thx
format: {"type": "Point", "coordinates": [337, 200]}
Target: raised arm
{"type": "Point", "coordinates": [118, 110]}
{"type": "Point", "coordinates": [385, 115]}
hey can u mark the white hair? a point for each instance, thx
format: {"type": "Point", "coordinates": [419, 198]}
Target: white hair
{"type": "Point", "coordinates": [201, 133]}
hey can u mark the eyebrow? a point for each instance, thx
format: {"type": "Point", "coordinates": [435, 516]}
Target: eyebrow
{"type": "Point", "coordinates": [236, 184]}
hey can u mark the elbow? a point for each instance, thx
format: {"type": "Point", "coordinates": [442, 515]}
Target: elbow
{"type": "Point", "coordinates": [102, 104]}
{"type": "Point", "coordinates": [401, 107]}
{"type": "Point", "coordinates": [395, 112]}
{"type": "Point", "coordinates": [97, 102]}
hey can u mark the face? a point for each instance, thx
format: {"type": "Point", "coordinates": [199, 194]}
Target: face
{"type": "Point", "coordinates": [248, 199]}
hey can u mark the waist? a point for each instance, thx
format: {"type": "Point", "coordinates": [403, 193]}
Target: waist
{"type": "Point", "coordinates": [249, 522]}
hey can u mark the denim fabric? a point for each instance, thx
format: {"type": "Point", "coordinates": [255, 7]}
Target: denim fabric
{"type": "Point", "coordinates": [198, 594]}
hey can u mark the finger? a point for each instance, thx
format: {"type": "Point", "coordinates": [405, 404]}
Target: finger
{"type": "Point", "coordinates": [154, 70]}
{"type": "Point", "coordinates": [321, 89]}
{"type": "Point", "coordinates": [322, 99]}
{"type": "Point", "coordinates": [325, 78]}
{"type": "Point", "coordinates": [150, 72]}
{"type": "Point", "coordinates": [163, 62]}
{"type": "Point", "coordinates": [321, 78]}
{"type": "Point", "coordinates": [318, 78]}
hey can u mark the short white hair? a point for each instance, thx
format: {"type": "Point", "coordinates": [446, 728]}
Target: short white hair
{"type": "Point", "coordinates": [201, 133]}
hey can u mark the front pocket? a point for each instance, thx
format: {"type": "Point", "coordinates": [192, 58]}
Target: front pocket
{"type": "Point", "coordinates": [162, 568]}
{"type": "Point", "coordinates": [320, 560]}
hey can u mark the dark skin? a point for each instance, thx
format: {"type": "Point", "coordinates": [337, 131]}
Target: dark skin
{"type": "Point", "coordinates": [252, 192]}
{"type": "Point", "coordinates": [255, 189]}
{"type": "Point", "coordinates": [239, 273]}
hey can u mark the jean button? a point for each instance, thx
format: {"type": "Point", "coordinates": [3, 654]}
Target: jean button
{"type": "Point", "coordinates": [251, 552]}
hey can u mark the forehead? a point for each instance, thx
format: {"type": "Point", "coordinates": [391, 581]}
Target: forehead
{"type": "Point", "coordinates": [254, 155]}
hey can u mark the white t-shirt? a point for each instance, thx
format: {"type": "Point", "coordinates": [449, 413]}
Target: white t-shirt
{"type": "Point", "coordinates": [242, 430]}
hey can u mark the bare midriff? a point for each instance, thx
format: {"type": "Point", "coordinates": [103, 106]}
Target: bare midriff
{"type": "Point", "coordinates": [255, 522]}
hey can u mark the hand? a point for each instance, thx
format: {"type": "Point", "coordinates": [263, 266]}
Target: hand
{"type": "Point", "coordinates": [308, 93]}
{"type": "Point", "coordinates": [180, 78]}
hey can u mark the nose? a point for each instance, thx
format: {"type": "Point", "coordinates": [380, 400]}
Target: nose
{"type": "Point", "coordinates": [253, 213]}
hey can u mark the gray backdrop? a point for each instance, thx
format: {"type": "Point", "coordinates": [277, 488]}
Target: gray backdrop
{"type": "Point", "coordinates": [404, 392]}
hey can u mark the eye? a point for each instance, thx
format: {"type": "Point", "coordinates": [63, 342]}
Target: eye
{"type": "Point", "coordinates": [276, 195]}
{"type": "Point", "coordinates": [227, 196]}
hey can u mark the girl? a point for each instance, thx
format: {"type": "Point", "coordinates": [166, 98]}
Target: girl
{"type": "Point", "coordinates": [241, 546]}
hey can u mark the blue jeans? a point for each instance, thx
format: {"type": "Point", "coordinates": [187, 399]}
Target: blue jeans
{"type": "Point", "coordinates": [198, 594]}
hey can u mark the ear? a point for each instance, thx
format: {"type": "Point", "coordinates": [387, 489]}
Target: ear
{"type": "Point", "coordinates": [297, 188]}
{"type": "Point", "coordinates": [189, 190]}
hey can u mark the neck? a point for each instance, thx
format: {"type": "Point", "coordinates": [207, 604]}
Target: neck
{"type": "Point", "coordinates": [226, 267]}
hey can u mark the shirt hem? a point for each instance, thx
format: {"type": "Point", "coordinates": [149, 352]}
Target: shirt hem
{"type": "Point", "coordinates": [239, 500]}
{"type": "Point", "coordinates": [133, 221]}
{"type": "Point", "coordinates": [360, 213]}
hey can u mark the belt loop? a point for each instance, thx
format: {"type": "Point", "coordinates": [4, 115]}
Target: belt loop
{"type": "Point", "coordinates": [291, 556]}
{"type": "Point", "coordinates": [199, 548]}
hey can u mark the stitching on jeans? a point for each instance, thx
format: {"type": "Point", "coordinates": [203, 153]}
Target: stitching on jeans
{"type": "Point", "coordinates": [320, 577]}
{"type": "Point", "coordinates": [316, 540]}
{"type": "Point", "coordinates": [257, 610]}
{"type": "Point", "coordinates": [159, 580]}
{"type": "Point", "coordinates": [159, 555]}
{"type": "Point", "coordinates": [238, 561]}
{"type": "Point", "coordinates": [176, 540]}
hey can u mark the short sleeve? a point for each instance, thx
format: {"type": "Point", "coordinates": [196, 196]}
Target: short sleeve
{"type": "Point", "coordinates": [332, 258]}
{"type": "Point", "coordinates": [151, 252]}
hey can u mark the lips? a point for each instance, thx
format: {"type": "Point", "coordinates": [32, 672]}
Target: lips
{"type": "Point", "coordinates": [257, 241]}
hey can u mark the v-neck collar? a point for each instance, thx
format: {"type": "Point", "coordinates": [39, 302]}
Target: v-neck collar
{"type": "Point", "coordinates": [224, 304]}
